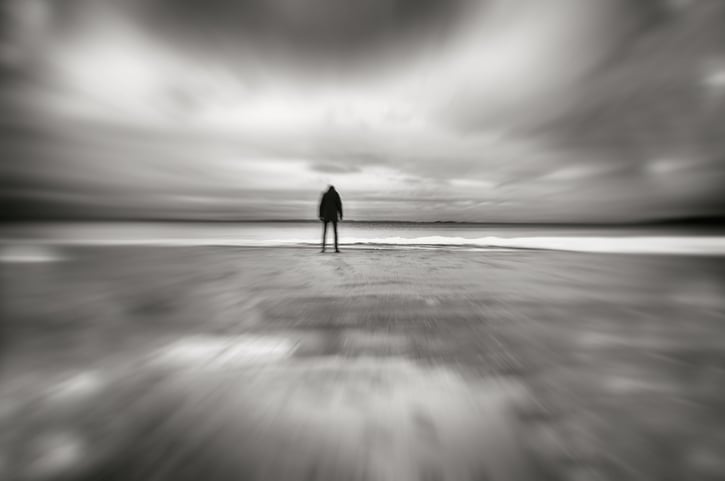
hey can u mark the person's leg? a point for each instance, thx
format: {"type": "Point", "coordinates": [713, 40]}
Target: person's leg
{"type": "Point", "coordinates": [334, 227]}
{"type": "Point", "coordinates": [324, 234]}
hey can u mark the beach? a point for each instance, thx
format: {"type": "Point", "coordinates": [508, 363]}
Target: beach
{"type": "Point", "coordinates": [143, 362]}
{"type": "Point", "coordinates": [530, 281]}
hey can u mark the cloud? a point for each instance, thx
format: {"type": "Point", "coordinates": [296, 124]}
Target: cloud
{"type": "Point", "coordinates": [513, 110]}
{"type": "Point", "coordinates": [579, 172]}
{"type": "Point", "coordinates": [330, 168]}
{"type": "Point", "coordinates": [654, 101]}
{"type": "Point", "coordinates": [299, 32]}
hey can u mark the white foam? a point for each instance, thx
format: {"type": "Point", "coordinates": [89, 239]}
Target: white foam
{"type": "Point", "coordinates": [683, 245]}
{"type": "Point", "coordinates": [624, 245]}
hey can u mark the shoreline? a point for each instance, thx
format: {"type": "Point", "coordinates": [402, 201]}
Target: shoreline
{"type": "Point", "coordinates": [633, 245]}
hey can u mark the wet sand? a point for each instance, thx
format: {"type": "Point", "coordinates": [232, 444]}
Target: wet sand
{"type": "Point", "coordinates": [142, 363]}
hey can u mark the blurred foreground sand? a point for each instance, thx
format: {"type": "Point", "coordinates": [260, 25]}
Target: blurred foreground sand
{"type": "Point", "coordinates": [279, 364]}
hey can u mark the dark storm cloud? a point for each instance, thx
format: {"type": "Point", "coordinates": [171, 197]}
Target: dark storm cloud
{"type": "Point", "coordinates": [299, 32]}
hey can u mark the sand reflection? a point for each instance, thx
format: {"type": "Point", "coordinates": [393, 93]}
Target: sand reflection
{"type": "Point", "coordinates": [223, 351]}
{"type": "Point", "coordinates": [365, 418]}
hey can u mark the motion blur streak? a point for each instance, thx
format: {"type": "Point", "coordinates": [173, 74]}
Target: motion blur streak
{"type": "Point", "coordinates": [223, 363]}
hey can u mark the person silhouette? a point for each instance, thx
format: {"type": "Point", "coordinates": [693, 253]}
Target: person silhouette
{"type": "Point", "coordinates": [330, 207]}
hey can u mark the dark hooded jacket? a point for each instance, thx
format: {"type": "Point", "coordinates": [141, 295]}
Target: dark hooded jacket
{"type": "Point", "coordinates": [330, 205]}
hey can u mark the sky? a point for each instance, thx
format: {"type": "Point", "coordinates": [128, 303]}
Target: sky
{"type": "Point", "coordinates": [417, 110]}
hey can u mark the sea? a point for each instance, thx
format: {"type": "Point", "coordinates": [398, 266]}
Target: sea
{"type": "Point", "coordinates": [370, 235]}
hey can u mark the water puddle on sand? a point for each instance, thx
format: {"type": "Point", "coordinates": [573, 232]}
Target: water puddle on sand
{"type": "Point", "coordinates": [246, 407]}
{"type": "Point", "coordinates": [222, 351]}
{"type": "Point", "coordinates": [330, 416]}
{"type": "Point", "coordinates": [225, 352]}
{"type": "Point", "coordinates": [362, 418]}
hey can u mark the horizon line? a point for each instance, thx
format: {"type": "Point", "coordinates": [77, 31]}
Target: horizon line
{"type": "Point", "coordinates": [685, 220]}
